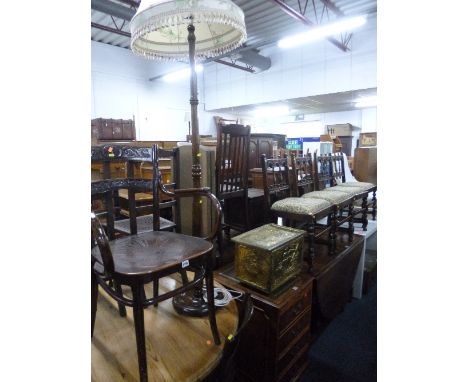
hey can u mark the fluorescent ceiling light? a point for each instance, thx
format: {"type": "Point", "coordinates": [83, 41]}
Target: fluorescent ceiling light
{"type": "Point", "coordinates": [318, 33]}
{"type": "Point", "coordinates": [366, 102]}
{"type": "Point", "coordinates": [271, 111]}
{"type": "Point", "coordinates": [181, 74]}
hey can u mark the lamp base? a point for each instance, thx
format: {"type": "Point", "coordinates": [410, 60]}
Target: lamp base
{"type": "Point", "coordinates": [191, 303]}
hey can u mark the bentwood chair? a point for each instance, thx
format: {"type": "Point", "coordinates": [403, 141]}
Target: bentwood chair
{"type": "Point", "coordinates": [136, 260]}
{"type": "Point", "coordinates": [232, 175]}
{"type": "Point", "coordinates": [295, 211]}
{"type": "Point", "coordinates": [225, 371]}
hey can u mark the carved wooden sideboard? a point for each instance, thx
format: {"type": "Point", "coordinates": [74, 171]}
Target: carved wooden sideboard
{"type": "Point", "coordinates": [274, 345]}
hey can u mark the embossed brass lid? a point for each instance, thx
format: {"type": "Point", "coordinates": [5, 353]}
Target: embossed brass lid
{"type": "Point", "coordinates": [268, 236]}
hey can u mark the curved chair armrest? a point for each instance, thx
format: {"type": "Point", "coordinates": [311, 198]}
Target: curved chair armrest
{"type": "Point", "coordinates": [205, 192]}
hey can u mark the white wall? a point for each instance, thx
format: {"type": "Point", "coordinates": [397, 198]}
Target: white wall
{"type": "Point", "coordinates": [121, 89]}
{"type": "Point", "coordinates": [312, 69]}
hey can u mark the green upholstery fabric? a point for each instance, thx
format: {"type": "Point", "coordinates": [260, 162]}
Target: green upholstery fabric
{"type": "Point", "coordinates": [349, 190]}
{"type": "Point", "coordinates": [301, 206]}
{"type": "Point", "coordinates": [363, 185]}
{"type": "Point", "coordinates": [331, 196]}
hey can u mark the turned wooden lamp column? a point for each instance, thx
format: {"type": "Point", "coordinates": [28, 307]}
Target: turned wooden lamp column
{"type": "Point", "coordinates": [196, 168]}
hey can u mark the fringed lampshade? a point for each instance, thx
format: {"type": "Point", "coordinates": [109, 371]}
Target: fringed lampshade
{"type": "Point", "coordinates": [159, 28]}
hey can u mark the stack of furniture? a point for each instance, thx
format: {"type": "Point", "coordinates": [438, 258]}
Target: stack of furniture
{"type": "Point", "coordinates": [275, 343]}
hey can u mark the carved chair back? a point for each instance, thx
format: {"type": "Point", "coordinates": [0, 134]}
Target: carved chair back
{"type": "Point", "coordinates": [338, 168]}
{"type": "Point", "coordinates": [323, 171]}
{"type": "Point", "coordinates": [276, 181]}
{"type": "Point", "coordinates": [137, 218]}
{"type": "Point", "coordinates": [107, 188]}
{"type": "Point", "coordinates": [302, 174]}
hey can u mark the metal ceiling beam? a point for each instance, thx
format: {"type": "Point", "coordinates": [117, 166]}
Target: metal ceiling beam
{"type": "Point", "coordinates": [114, 9]}
{"type": "Point", "coordinates": [132, 3]}
{"type": "Point", "coordinates": [109, 29]}
{"type": "Point", "coordinates": [231, 64]}
{"type": "Point", "coordinates": [332, 7]}
{"type": "Point", "coordinates": [298, 16]}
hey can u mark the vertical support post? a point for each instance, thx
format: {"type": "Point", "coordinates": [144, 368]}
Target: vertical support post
{"type": "Point", "coordinates": [196, 168]}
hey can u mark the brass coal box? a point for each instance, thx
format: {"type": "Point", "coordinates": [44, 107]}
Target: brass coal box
{"type": "Point", "coordinates": [268, 256]}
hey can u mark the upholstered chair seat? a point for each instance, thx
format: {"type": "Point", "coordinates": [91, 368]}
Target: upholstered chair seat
{"type": "Point", "coordinates": [303, 206]}
{"type": "Point", "coordinates": [332, 196]}
{"type": "Point", "coordinates": [348, 190]}
{"type": "Point", "coordinates": [364, 185]}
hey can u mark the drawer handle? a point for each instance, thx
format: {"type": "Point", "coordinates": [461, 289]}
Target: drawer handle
{"type": "Point", "coordinates": [297, 309]}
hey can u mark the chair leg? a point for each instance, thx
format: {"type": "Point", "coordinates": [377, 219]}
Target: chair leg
{"type": "Point", "coordinates": [122, 310]}
{"type": "Point", "coordinates": [210, 295]}
{"type": "Point", "coordinates": [332, 234]}
{"type": "Point", "coordinates": [183, 275]}
{"type": "Point", "coordinates": [374, 205]}
{"type": "Point", "coordinates": [311, 253]}
{"type": "Point", "coordinates": [247, 221]}
{"type": "Point", "coordinates": [365, 209]}
{"type": "Point", "coordinates": [156, 290]}
{"type": "Point", "coordinates": [219, 261]}
{"type": "Point", "coordinates": [351, 222]}
{"type": "Point", "coordinates": [94, 297]}
{"type": "Point", "coordinates": [138, 318]}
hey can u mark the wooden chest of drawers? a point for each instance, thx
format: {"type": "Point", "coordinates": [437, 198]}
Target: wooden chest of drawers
{"type": "Point", "coordinates": [275, 343]}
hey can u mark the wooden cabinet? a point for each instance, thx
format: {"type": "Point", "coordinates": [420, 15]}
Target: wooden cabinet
{"type": "Point", "coordinates": [275, 343]}
{"type": "Point", "coordinates": [365, 164]}
{"type": "Point", "coordinates": [264, 144]}
{"type": "Point", "coordinates": [346, 144]}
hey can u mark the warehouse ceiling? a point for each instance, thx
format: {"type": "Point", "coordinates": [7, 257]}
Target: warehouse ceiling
{"type": "Point", "coordinates": [267, 21]}
{"type": "Point", "coordinates": [323, 103]}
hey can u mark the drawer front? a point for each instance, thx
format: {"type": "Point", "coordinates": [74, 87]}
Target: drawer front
{"type": "Point", "coordinates": [294, 331]}
{"type": "Point", "coordinates": [302, 343]}
{"type": "Point", "coordinates": [296, 369]}
{"type": "Point", "coordinates": [295, 310]}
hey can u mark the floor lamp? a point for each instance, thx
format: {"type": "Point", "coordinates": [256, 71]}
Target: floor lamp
{"type": "Point", "coordinates": [181, 30]}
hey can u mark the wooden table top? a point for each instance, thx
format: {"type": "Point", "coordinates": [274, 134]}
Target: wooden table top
{"type": "Point", "coordinates": [179, 348]}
